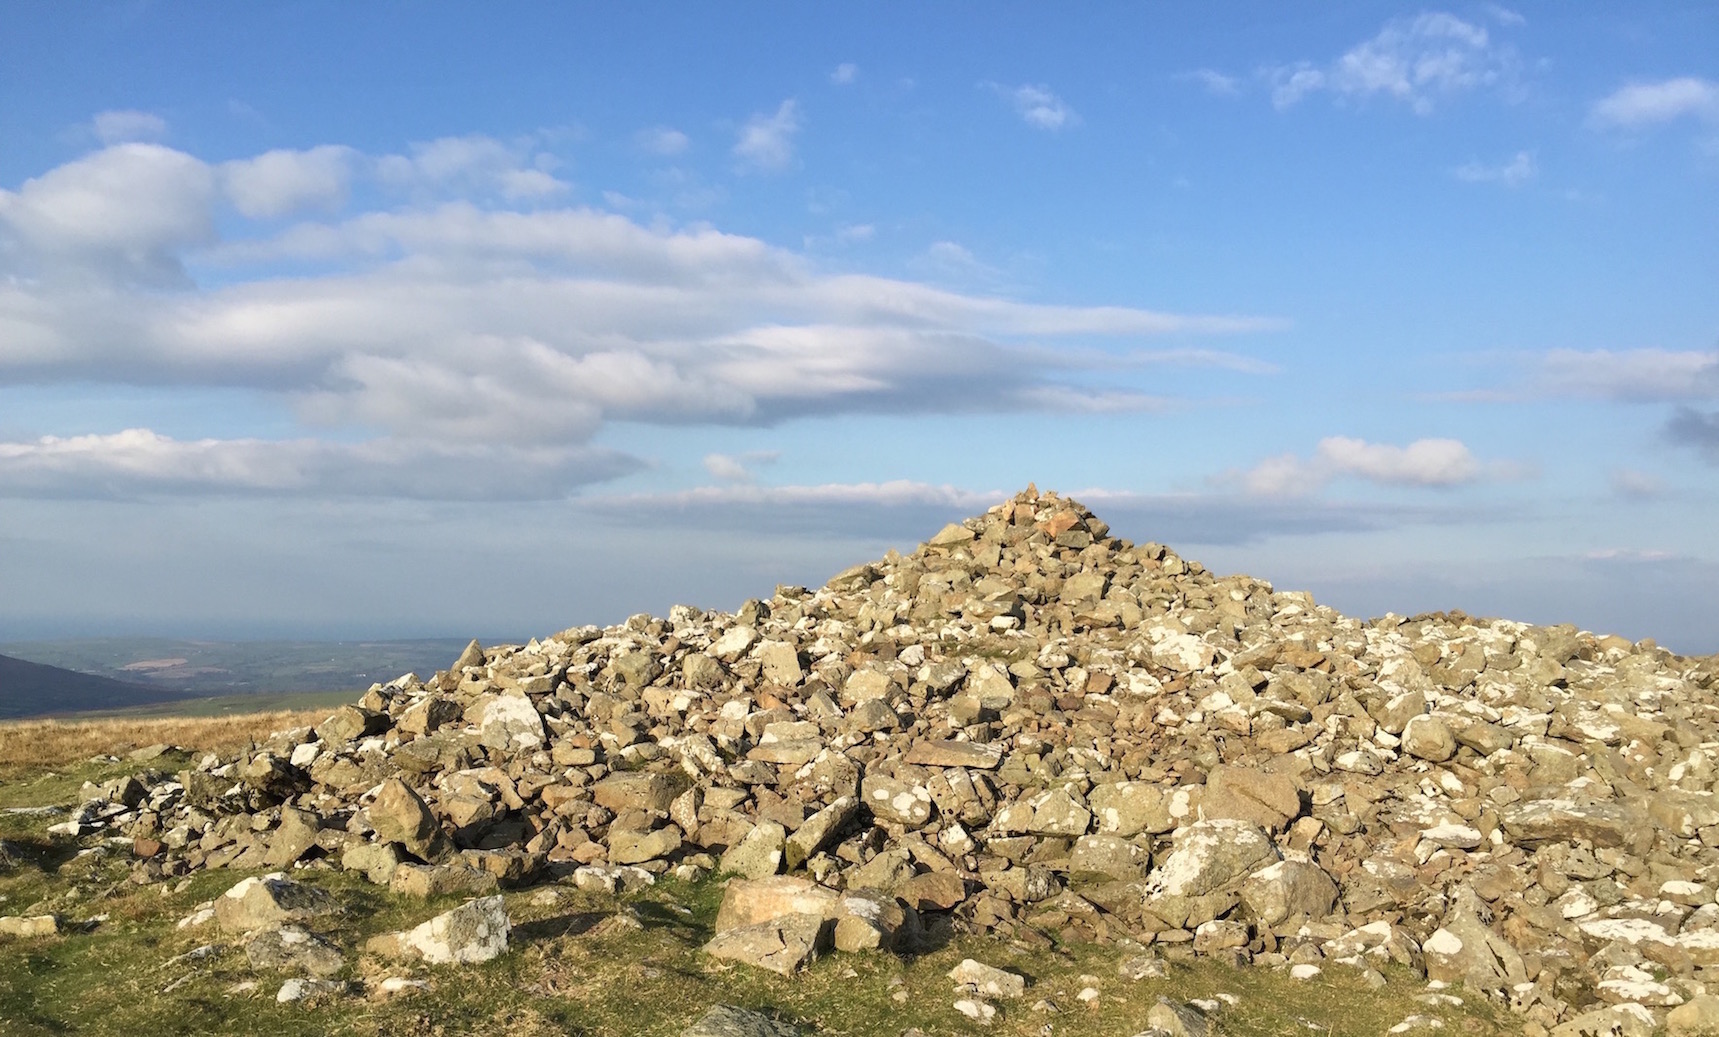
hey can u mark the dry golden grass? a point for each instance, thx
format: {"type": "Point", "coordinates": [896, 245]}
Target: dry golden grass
{"type": "Point", "coordinates": [59, 743]}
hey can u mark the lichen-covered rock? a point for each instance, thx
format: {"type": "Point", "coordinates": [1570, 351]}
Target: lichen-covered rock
{"type": "Point", "coordinates": [759, 854]}
{"type": "Point", "coordinates": [1288, 888]}
{"type": "Point", "coordinates": [1058, 811]}
{"type": "Point", "coordinates": [899, 802]}
{"type": "Point", "coordinates": [1200, 878]}
{"type": "Point", "coordinates": [476, 931]}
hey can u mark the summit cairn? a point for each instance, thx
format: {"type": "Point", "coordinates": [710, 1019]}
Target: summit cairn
{"type": "Point", "coordinates": [1032, 728]}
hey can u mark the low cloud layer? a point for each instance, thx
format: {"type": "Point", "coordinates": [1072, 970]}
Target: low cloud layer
{"type": "Point", "coordinates": [906, 508]}
{"type": "Point", "coordinates": [141, 463]}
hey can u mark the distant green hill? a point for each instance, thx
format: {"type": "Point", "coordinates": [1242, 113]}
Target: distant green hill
{"type": "Point", "coordinates": [32, 689]}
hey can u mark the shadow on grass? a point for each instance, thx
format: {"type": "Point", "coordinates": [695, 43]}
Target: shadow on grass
{"type": "Point", "coordinates": [45, 855]}
{"type": "Point", "coordinates": [544, 929]}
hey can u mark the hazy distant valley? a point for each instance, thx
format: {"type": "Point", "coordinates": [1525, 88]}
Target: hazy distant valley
{"type": "Point", "coordinates": [114, 673]}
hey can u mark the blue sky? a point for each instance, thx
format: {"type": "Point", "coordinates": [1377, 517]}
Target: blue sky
{"type": "Point", "coordinates": [328, 320]}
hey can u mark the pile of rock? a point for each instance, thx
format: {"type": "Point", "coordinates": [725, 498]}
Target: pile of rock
{"type": "Point", "coordinates": [1033, 728]}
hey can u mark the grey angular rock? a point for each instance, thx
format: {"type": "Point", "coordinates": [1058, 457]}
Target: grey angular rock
{"type": "Point", "coordinates": [399, 815]}
{"type": "Point", "coordinates": [1108, 855]}
{"type": "Point", "coordinates": [29, 926]}
{"type": "Point", "coordinates": [1427, 738]}
{"type": "Point", "coordinates": [1058, 811]}
{"type": "Point", "coordinates": [476, 931]}
{"type": "Point", "coordinates": [783, 945]}
{"type": "Point", "coordinates": [637, 790]}
{"type": "Point", "coordinates": [510, 722]}
{"type": "Point", "coordinates": [781, 663]}
{"type": "Point", "coordinates": [1177, 1019]}
{"type": "Point", "coordinates": [294, 990]}
{"type": "Point", "coordinates": [268, 900]}
{"type": "Point", "coordinates": [1248, 794]}
{"type": "Point", "coordinates": [989, 980]}
{"type": "Point", "coordinates": [729, 1021]}
{"type": "Point", "coordinates": [1287, 888]}
{"type": "Point", "coordinates": [818, 829]}
{"type": "Point", "coordinates": [376, 860]}
{"type": "Point", "coordinates": [293, 948]}
{"type": "Point", "coordinates": [1199, 879]}
{"type": "Point", "coordinates": [898, 802]}
{"type": "Point", "coordinates": [759, 854]}
{"type": "Point", "coordinates": [751, 901]}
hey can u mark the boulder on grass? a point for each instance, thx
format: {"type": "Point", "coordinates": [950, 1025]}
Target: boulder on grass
{"type": "Point", "coordinates": [473, 932]}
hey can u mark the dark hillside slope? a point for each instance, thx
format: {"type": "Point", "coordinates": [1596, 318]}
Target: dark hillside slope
{"type": "Point", "coordinates": [32, 689]}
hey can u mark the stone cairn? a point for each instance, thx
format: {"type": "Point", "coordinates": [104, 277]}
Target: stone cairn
{"type": "Point", "coordinates": [1031, 728]}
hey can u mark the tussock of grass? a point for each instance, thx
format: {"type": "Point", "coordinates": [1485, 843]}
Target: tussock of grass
{"type": "Point", "coordinates": [62, 743]}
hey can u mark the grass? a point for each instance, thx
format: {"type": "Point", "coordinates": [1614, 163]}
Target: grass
{"type": "Point", "coordinates": [35, 744]}
{"type": "Point", "coordinates": [322, 702]}
{"type": "Point", "coordinates": [581, 964]}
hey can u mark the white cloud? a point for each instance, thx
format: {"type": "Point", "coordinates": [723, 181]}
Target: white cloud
{"type": "Point", "coordinates": [1519, 170]}
{"type": "Point", "coordinates": [446, 326]}
{"type": "Point", "coordinates": [1290, 84]}
{"type": "Point", "coordinates": [949, 259]}
{"type": "Point", "coordinates": [846, 234]}
{"type": "Point", "coordinates": [844, 73]}
{"type": "Point", "coordinates": [1422, 463]}
{"type": "Point", "coordinates": [1425, 462]}
{"type": "Point", "coordinates": [125, 126]}
{"type": "Point", "coordinates": [474, 163]}
{"type": "Point", "coordinates": [662, 140]}
{"type": "Point", "coordinates": [766, 142]}
{"type": "Point", "coordinates": [1504, 15]}
{"type": "Point", "coordinates": [278, 183]}
{"type": "Point", "coordinates": [517, 184]}
{"type": "Point", "coordinates": [1216, 83]}
{"type": "Point", "coordinates": [1633, 375]}
{"type": "Point", "coordinates": [125, 211]}
{"type": "Point", "coordinates": [1637, 105]}
{"type": "Point", "coordinates": [1414, 60]}
{"type": "Point", "coordinates": [732, 468]}
{"type": "Point", "coordinates": [1037, 105]}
